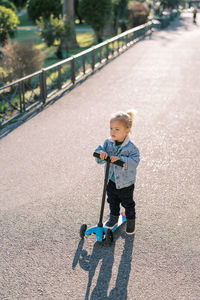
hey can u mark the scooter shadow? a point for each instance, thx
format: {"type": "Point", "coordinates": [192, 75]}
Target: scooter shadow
{"type": "Point", "coordinates": [104, 254]}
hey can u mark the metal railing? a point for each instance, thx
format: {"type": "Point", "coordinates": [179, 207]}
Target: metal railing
{"type": "Point", "coordinates": [38, 88]}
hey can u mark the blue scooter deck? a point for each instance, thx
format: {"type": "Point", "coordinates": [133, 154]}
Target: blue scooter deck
{"type": "Point", "coordinates": [121, 220]}
{"type": "Point", "coordinates": [100, 232]}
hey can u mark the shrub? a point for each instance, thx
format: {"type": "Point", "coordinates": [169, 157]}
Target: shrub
{"type": "Point", "coordinates": [8, 24]}
{"type": "Point", "coordinates": [96, 14]}
{"type": "Point", "coordinates": [137, 13]}
{"type": "Point", "coordinates": [19, 3]}
{"type": "Point", "coordinates": [3, 76]}
{"type": "Point", "coordinates": [20, 59]}
{"type": "Point", "coordinates": [8, 4]}
{"type": "Point", "coordinates": [43, 8]}
{"type": "Point", "coordinates": [55, 30]}
{"type": "Point", "coordinates": [51, 30]}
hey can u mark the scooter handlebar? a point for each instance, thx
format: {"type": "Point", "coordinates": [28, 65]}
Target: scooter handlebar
{"type": "Point", "coordinates": [118, 162]}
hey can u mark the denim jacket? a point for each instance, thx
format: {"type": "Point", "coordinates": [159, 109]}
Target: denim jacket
{"type": "Point", "coordinates": [129, 154]}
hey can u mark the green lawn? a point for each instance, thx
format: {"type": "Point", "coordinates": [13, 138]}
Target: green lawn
{"type": "Point", "coordinates": [25, 21]}
{"type": "Point", "coordinates": [28, 32]}
{"type": "Point", "coordinates": [84, 39]}
{"type": "Point", "coordinates": [25, 36]}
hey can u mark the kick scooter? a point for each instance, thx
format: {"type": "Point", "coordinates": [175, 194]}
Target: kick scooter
{"type": "Point", "coordinates": [101, 231]}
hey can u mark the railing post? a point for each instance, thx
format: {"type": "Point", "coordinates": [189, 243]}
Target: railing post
{"type": "Point", "coordinates": [107, 51]}
{"type": "Point", "coordinates": [73, 77]}
{"type": "Point", "coordinates": [20, 96]}
{"type": "Point", "coordinates": [83, 60]}
{"type": "Point", "coordinates": [113, 46]}
{"type": "Point", "coordinates": [145, 30]}
{"type": "Point", "coordinates": [59, 78]}
{"type": "Point", "coordinates": [93, 59]}
{"type": "Point", "coordinates": [126, 37]}
{"type": "Point", "coordinates": [133, 36]}
{"type": "Point", "coordinates": [43, 86]}
{"type": "Point", "coordinates": [118, 41]}
{"type": "Point", "coordinates": [100, 57]}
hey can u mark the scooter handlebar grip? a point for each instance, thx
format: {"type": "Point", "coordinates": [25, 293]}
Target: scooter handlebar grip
{"type": "Point", "coordinates": [118, 162]}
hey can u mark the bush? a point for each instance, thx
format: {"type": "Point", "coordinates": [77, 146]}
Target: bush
{"type": "Point", "coordinates": [55, 30]}
{"type": "Point", "coordinates": [96, 14]}
{"type": "Point", "coordinates": [137, 13]}
{"type": "Point", "coordinates": [43, 8]}
{"type": "Point", "coordinates": [9, 22]}
{"type": "Point", "coordinates": [51, 30]}
{"type": "Point", "coordinates": [20, 59]}
{"type": "Point", "coordinates": [8, 4]}
{"type": "Point", "coordinates": [19, 3]}
{"type": "Point", "coordinates": [3, 76]}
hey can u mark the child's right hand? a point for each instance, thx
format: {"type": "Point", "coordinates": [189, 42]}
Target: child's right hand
{"type": "Point", "coordinates": [103, 155]}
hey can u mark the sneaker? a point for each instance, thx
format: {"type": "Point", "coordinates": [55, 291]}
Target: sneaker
{"type": "Point", "coordinates": [130, 226]}
{"type": "Point", "coordinates": [112, 221]}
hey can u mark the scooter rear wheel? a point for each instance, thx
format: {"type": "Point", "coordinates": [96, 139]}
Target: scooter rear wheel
{"type": "Point", "coordinates": [109, 237]}
{"type": "Point", "coordinates": [83, 230]}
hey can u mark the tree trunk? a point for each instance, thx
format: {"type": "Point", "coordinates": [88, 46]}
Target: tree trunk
{"type": "Point", "coordinates": [69, 42]}
{"type": "Point", "coordinates": [99, 36]}
{"type": "Point", "coordinates": [109, 29]}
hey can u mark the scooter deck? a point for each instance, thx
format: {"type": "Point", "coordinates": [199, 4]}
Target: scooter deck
{"type": "Point", "coordinates": [121, 220]}
{"type": "Point", "coordinates": [101, 231]}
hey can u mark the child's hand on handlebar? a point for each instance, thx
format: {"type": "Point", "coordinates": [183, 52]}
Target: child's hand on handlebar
{"type": "Point", "coordinates": [103, 155]}
{"type": "Point", "coordinates": [114, 159]}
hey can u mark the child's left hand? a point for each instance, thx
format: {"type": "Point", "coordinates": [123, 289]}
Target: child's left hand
{"type": "Point", "coordinates": [114, 158]}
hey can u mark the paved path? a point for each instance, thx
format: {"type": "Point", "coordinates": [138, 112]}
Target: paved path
{"type": "Point", "coordinates": [50, 184]}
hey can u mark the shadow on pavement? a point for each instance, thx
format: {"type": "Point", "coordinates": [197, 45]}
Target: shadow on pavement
{"type": "Point", "coordinates": [104, 254]}
{"type": "Point", "coordinates": [29, 115]}
{"type": "Point", "coordinates": [184, 22]}
{"type": "Point", "coordinates": [177, 24]}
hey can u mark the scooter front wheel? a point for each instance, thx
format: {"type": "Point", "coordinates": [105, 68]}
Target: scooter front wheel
{"type": "Point", "coordinates": [83, 230]}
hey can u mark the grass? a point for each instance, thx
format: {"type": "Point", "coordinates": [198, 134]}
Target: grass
{"type": "Point", "coordinates": [25, 36]}
{"type": "Point", "coordinates": [28, 32]}
{"type": "Point", "coordinates": [25, 21]}
{"type": "Point", "coordinates": [84, 39]}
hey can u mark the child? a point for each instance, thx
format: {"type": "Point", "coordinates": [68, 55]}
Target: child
{"type": "Point", "coordinates": [121, 180]}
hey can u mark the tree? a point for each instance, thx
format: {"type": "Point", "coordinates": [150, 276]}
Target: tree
{"type": "Point", "coordinates": [8, 24]}
{"type": "Point", "coordinates": [51, 29]}
{"type": "Point", "coordinates": [19, 3]}
{"type": "Point", "coordinates": [76, 10]}
{"type": "Point", "coordinates": [96, 13]}
{"type": "Point", "coordinates": [69, 41]}
{"type": "Point", "coordinates": [119, 9]}
{"type": "Point", "coordinates": [43, 8]}
{"type": "Point", "coordinates": [117, 17]}
{"type": "Point", "coordinates": [169, 3]}
{"type": "Point", "coordinates": [8, 4]}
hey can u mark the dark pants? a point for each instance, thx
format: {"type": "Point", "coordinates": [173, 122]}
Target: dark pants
{"type": "Point", "coordinates": [123, 196]}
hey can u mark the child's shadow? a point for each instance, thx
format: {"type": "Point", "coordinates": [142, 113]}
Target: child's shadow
{"type": "Point", "coordinates": [105, 254]}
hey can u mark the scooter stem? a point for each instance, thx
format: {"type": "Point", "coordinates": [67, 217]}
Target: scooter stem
{"type": "Point", "coordinates": [100, 224]}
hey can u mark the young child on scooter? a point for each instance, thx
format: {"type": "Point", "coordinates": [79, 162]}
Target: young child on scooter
{"type": "Point", "coordinates": [121, 181]}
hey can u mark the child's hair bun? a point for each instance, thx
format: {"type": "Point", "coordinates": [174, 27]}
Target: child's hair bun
{"type": "Point", "coordinates": [132, 114]}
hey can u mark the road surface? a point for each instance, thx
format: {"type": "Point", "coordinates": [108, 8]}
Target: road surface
{"type": "Point", "coordinates": [50, 183]}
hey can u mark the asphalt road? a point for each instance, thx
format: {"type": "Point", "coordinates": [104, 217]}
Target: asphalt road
{"type": "Point", "coordinates": [50, 183]}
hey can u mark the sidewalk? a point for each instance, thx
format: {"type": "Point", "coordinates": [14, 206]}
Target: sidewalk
{"type": "Point", "coordinates": [50, 183]}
